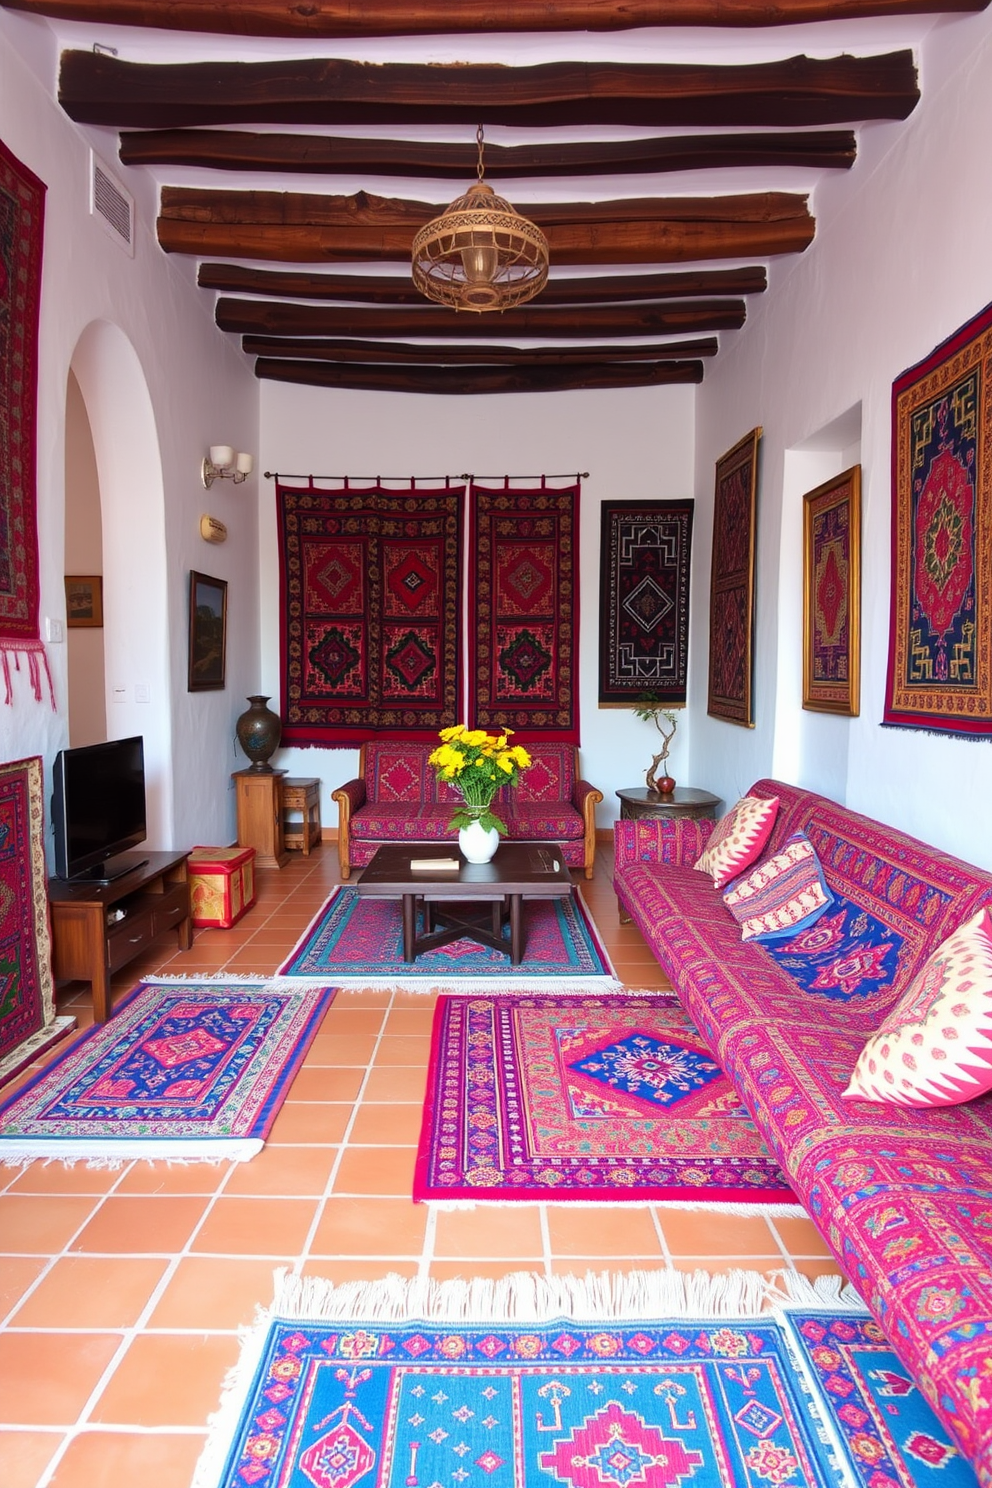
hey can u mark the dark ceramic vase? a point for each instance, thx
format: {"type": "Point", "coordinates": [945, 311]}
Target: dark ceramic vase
{"type": "Point", "coordinates": [259, 731]}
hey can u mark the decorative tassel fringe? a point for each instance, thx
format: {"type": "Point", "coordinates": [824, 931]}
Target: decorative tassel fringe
{"type": "Point", "coordinates": [12, 649]}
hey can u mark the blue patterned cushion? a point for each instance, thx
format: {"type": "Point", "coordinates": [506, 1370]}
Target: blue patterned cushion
{"type": "Point", "coordinates": [784, 894]}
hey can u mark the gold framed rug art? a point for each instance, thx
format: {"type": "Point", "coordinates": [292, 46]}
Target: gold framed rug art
{"type": "Point", "coordinates": [832, 595]}
{"type": "Point", "coordinates": [732, 584]}
{"type": "Point", "coordinates": [940, 633]}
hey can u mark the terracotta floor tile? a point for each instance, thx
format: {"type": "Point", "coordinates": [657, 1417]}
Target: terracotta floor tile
{"type": "Point", "coordinates": [800, 1237]}
{"type": "Point", "coordinates": [62, 1178]}
{"type": "Point", "coordinates": [135, 1225]}
{"type": "Point", "coordinates": [404, 1020]}
{"type": "Point", "coordinates": [240, 1226]}
{"type": "Point", "coordinates": [490, 1231]}
{"type": "Point", "coordinates": [469, 1269]}
{"type": "Point", "coordinates": [110, 1459]}
{"type": "Point", "coordinates": [16, 1275]}
{"type": "Point", "coordinates": [341, 1084]}
{"type": "Point", "coordinates": [41, 1225]}
{"type": "Point", "coordinates": [408, 997]}
{"type": "Point", "coordinates": [813, 1269]}
{"type": "Point", "coordinates": [294, 1172]}
{"type": "Point", "coordinates": [351, 1048]}
{"type": "Point", "coordinates": [400, 1083]}
{"type": "Point", "coordinates": [167, 1379]}
{"type": "Point", "coordinates": [47, 1378]}
{"type": "Point", "coordinates": [410, 1048]}
{"type": "Point", "coordinates": [384, 1124]}
{"type": "Point", "coordinates": [582, 1265]}
{"type": "Point", "coordinates": [306, 1122]}
{"type": "Point", "coordinates": [379, 1227]}
{"type": "Point", "coordinates": [311, 1084]}
{"type": "Point", "coordinates": [385, 1171]}
{"type": "Point", "coordinates": [24, 1455]}
{"type": "Point", "coordinates": [215, 1292]}
{"type": "Point", "coordinates": [342, 1019]}
{"type": "Point", "coordinates": [92, 1292]}
{"type": "Point", "coordinates": [173, 1178]}
{"type": "Point", "coordinates": [614, 1231]}
{"type": "Point", "coordinates": [701, 1232]}
{"type": "Point", "coordinates": [251, 961]}
{"type": "Point", "coordinates": [355, 997]}
{"type": "Point", "coordinates": [339, 1271]}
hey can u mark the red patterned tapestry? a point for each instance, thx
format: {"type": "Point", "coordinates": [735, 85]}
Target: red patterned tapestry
{"type": "Point", "coordinates": [732, 583]}
{"type": "Point", "coordinates": [524, 603]}
{"type": "Point", "coordinates": [940, 630]}
{"type": "Point", "coordinates": [644, 601]}
{"type": "Point", "coordinates": [832, 595]}
{"type": "Point", "coordinates": [370, 584]}
{"type": "Point", "coordinates": [22, 214]}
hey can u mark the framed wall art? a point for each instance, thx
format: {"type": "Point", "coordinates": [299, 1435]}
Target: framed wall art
{"type": "Point", "coordinates": [207, 632]}
{"type": "Point", "coordinates": [732, 583]}
{"type": "Point", "coordinates": [83, 601]}
{"type": "Point", "coordinates": [644, 601]}
{"type": "Point", "coordinates": [940, 625]}
{"type": "Point", "coordinates": [832, 595]}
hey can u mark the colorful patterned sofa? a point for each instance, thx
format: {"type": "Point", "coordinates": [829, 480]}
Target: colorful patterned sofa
{"type": "Point", "coordinates": [397, 798]}
{"type": "Point", "coordinates": [902, 1196]}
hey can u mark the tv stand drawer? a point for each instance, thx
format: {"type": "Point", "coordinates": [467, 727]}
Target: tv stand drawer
{"type": "Point", "coordinates": [128, 937]}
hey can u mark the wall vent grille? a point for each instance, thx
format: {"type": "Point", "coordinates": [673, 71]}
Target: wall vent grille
{"type": "Point", "coordinates": [111, 205]}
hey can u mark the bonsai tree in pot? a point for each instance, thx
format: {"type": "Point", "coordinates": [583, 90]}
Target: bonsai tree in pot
{"type": "Point", "coordinates": [666, 722]}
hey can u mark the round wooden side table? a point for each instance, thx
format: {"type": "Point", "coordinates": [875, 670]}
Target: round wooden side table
{"type": "Point", "coordinates": [685, 800]}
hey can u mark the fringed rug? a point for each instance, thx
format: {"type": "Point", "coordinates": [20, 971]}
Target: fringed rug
{"type": "Point", "coordinates": [359, 942]}
{"type": "Point", "coordinates": [189, 1071]}
{"type": "Point", "coordinates": [642, 1381]}
{"type": "Point", "coordinates": [601, 1099]}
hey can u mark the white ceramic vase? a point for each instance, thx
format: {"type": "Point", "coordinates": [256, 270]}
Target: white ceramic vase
{"type": "Point", "coordinates": [478, 844]}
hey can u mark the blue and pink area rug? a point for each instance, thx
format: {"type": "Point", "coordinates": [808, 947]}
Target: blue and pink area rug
{"type": "Point", "coordinates": [570, 1383]}
{"type": "Point", "coordinates": [357, 942]}
{"type": "Point", "coordinates": [599, 1099]}
{"type": "Point", "coordinates": [183, 1070]}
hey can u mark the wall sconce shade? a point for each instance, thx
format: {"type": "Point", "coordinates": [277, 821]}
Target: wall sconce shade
{"type": "Point", "coordinates": [224, 463]}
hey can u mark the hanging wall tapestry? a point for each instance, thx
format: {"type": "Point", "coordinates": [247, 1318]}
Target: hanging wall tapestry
{"type": "Point", "coordinates": [22, 213]}
{"type": "Point", "coordinates": [940, 630]}
{"type": "Point", "coordinates": [732, 583]}
{"type": "Point", "coordinates": [644, 601]}
{"type": "Point", "coordinates": [832, 595]}
{"type": "Point", "coordinates": [370, 585]}
{"type": "Point", "coordinates": [524, 601]}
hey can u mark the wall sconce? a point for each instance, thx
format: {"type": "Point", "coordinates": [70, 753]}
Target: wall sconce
{"type": "Point", "coordinates": [223, 463]}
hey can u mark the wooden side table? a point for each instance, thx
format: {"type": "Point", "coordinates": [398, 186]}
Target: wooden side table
{"type": "Point", "coordinates": [301, 794]}
{"type": "Point", "coordinates": [685, 801]}
{"type": "Point", "coordinates": [259, 803]}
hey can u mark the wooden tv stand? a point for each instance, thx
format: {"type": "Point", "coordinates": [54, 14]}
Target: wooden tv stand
{"type": "Point", "coordinates": [87, 944]}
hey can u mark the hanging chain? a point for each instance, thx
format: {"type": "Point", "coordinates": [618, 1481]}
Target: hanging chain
{"type": "Point", "coordinates": [480, 168]}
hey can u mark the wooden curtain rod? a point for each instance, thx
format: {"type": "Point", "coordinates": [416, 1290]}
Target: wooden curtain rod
{"type": "Point", "coordinates": [483, 480]}
{"type": "Point", "coordinates": [413, 479]}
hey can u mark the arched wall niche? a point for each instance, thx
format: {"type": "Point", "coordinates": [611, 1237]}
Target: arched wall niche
{"type": "Point", "coordinates": [135, 613]}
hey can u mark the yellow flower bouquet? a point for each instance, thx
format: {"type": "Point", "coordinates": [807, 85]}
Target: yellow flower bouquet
{"type": "Point", "coordinates": [477, 764]}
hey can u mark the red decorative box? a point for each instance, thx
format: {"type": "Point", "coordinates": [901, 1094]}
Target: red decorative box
{"type": "Point", "coordinates": [221, 885]}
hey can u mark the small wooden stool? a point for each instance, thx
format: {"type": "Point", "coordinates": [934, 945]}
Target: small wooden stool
{"type": "Point", "coordinates": [301, 794]}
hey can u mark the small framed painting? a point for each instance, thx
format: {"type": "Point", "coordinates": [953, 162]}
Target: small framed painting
{"type": "Point", "coordinates": [832, 595]}
{"type": "Point", "coordinates": [83, 600]}
{"type": "Point", "coordinates": [207, 632]}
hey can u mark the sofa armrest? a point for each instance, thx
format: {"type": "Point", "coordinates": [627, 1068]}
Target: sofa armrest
{"type": "Point", "coordinates": [585, 799]}
{"type": "Point", "coordinates": [659, 840]}
{"type": "Point", "coordinates": [349, 797]}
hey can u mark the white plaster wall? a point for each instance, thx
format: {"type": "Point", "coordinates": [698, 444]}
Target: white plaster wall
{"type": "Point", "coordinates": [901, 259]}
{"type": "Point", "coordinates": [635, 444]}
{"type": "Point", "coordinates": [200, 392]}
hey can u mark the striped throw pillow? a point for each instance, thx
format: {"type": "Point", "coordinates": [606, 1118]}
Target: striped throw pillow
{"type": "Point", "coordinates": [782, 894]}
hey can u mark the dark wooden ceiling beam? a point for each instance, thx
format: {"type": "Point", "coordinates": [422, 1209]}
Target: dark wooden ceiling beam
{"type": "Point", "coordinates": [523, 378]}
{"type": "Point", "coordinates": [95, 88]}
{"type": "Point", "coordinates": [271, 318]}
{"type": "Point", "coordinates": [324, 349]}
{"type": "Point", "coordinates": [315, 154]}
{"type": "Point", "coordinates": [293, 228]}
{"type": "Point", "coordinates": [332, 18]}
{"type": "Point", "coordinates": [380, 289]}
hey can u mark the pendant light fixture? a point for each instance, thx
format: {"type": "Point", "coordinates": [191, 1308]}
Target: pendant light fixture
{"type": "Point", "coordinates": [480, 254]}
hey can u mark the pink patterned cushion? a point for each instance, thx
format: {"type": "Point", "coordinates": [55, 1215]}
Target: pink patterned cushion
{"type": "Point", "coordinates": [935, 1046]}
{"type": "Point", "coordinates": [548, 823]}
{"type": "Point", "coordinates": [398, 822]}
{"type": "Point", "coordinates": [398, 771]}
{"type": "Point", "coordinates": [738, 839]}
{"type": "Point", "coordinates": [782, 895]}
{"type": "Point", "coordinates": [551, 775]}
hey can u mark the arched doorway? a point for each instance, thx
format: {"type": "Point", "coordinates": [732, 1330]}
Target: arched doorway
{"type": "Point", "coordinates": [84, 575]}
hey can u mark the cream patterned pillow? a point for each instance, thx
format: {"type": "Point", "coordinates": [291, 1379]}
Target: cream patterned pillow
{"type": "Point", "coordinates": [935, 1047]}
{"type": "Point", "coordinates": [738, 838]}
{"type": "Point", "coordinates": [782, 894]}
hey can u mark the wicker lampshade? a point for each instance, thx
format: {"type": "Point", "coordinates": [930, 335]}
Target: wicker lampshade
{"type": "Point", "coordinates": [480, 254]}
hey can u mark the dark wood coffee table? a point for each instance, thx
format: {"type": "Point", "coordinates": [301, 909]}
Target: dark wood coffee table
{"type": "Point", "coordinates": [519, 871]}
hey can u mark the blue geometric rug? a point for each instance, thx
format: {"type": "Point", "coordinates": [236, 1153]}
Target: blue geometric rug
{"type": "Point", "coordinates": [567, 1381]}
{"type": "Point", "coordinates": [359, 942]}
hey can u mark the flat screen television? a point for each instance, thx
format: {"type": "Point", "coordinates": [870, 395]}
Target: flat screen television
{"type": "Point", "coordinates": [98, 809]}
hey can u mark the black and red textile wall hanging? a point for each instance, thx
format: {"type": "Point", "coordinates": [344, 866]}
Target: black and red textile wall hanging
{"type": "Point", "coordinates": [732, 583]}
{"type": "Point", "coordinates": [644, 601]}
{"type": "Point", "coordinates": [524, 610]}
{"type": "Point", "coordinates": [22, 215]}
{"type": "Point", "coordinates": [370, 588]}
